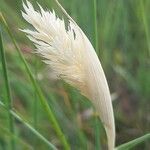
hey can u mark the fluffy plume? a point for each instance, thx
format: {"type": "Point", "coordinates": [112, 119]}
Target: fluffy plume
{"type": "Point", "coordinates": [73, 59]}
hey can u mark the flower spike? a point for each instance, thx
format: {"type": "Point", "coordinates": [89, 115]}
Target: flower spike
{"type": "Point", "coordinates": [73, 59]}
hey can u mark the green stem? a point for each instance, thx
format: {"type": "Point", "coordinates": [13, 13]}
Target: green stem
{"type": "Point", "coordinates": [97, 134]}
{"type": "Point", "coordinates": [18, 139]}
{"type": "Point", "coordinates": [42, 99]}
{"type": "Point", "coordinates": [8, 94]}
{"type": "Point", "coordinates": [145, 25]}
{"type": "Point", "coordinates": [133, 143]}
{"type": "Point", "coordinates": [95, 27]}
{"type": "Point", "coordinates": [97, 130]}
{"type": "Point", "coordinates": [24, 122]}
{"type": "Point", "coordinates": [35, 105]}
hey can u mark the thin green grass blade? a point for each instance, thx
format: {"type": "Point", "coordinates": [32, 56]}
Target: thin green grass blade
{"type": "Point", "coordinates": [25, 123]}
{"type": "Point", "coordinates": [97, 134]}
{"type": "Point", "coordinates": [8, 94]}
{"type": "Point", "coordinates": [97, 128]}
{"type": "Point", "coordinates": [35, 104]}
{"type": "Point", "coordinates": [42, 99]}
{"type": "Point", "coordinates": [9, 134]}
{"type": "Point", "coordinates": [145, 23]}
{"type": "Point", "coordinates": [133, 143]}
{"type": "Point", "coordinates": [95, 27]}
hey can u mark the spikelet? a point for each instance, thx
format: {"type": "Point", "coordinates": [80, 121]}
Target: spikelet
{"type": "Point", "coordinates": [73, 59]}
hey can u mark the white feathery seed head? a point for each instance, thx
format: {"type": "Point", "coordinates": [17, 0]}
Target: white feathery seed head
{"type": "Point", "coordinates": [73, 59]}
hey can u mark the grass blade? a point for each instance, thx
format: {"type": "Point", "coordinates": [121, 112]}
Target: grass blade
{"type": "Point", "coordinates": [97, 130]}
{"type": "Point", "coordinates": [42, 99]}
{"type": "Point", "coordinates": [133, 143]}
{"type": "Point", "coordinates": [8, 94]}
{"type": "Point", "coordinates": [95, 27]}
{"type": "Point", "coordinates": [97, 134]}
{"type": "Point", "coordinates": [24, 122]}
{"type": "Point", "coordinates": [144, 19]}
{"type": "Point", "coordinates": [23, 143]}
{"type": "Point", "coordinates": [35, 104]}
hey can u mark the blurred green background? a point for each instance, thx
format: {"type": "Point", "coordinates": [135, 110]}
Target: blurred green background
{"type": "Point", "coordinates": [124, 51]}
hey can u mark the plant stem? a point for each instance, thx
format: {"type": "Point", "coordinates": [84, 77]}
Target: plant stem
{"type": "Point", "coordinates": [24, 122]}
{"type": "Point", "coordinates": [133, 143]}
{"type": "Point", "coordinates": [35, 105]}
{"type": "Point", "coordinates": [95, 27]}
{"type": "Point", "coordinates": [97, 130]}
{"type": "Point", "coordinates": [97, 134]}
{"type": "Point", "coordinates": [145, 25]}
{"type": "Point", "coordinates": [8, 94]}
{"type": "Point", "coordinates": [42, 99]}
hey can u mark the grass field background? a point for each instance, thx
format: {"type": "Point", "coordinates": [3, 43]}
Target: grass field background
{"type": "Point", "coordinates": [123, 29]}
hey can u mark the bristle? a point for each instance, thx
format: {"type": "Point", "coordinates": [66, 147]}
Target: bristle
{"type": "Point", "coordinates": [54, 43]}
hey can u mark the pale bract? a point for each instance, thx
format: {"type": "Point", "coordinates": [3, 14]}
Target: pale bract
{"type": "Point", "coordinates": [73, 59]}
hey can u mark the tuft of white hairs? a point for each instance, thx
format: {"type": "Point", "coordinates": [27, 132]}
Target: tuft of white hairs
{"type": "Point", "coordinates": [73, 59]}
